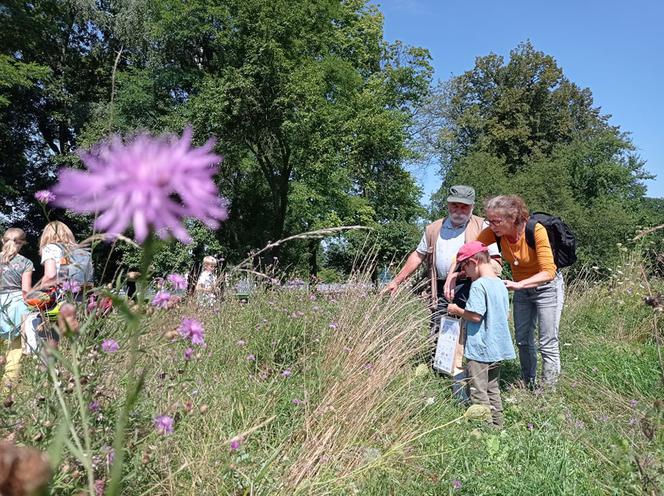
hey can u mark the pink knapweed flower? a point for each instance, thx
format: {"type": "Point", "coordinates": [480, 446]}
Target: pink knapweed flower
{"type": "Point", "coordinates": [163, 424]}
{"type": "Point", "coordinates": [44, 196]}
{"type": "Point", "coordinates": [110, 345]}
{"type": "Point", "coordinates": [151, 183]}
{"type": "Point", "coordinates": [94, 406]}
{"type": "Point", "coordinates": [100, 485]}
{"type": "Point", "coordinates": [297, 401]}
{"type": "Point", "coordinates": [251, 357]}
{"type": "Point", "coordinates": [456, 484]}
{"type": "Point", "coordinates": [235, 443]}
{"type": "Point", "coordinates": [161, 299]}
{"type": "Point", "coordinates": [530, 426]}
{"type": "Point", "coordinates": [71, 286]}
{"type": "Point", "coordinates": [241, 342]}
{"type": "Point", "coordinates": [188, 354]}
{"type": "Point", "coordinates": [193, 330]}
{"type": "Point", "coordinates": [286, 373]}
{"type": "Point", "coordinates": [633, 403]}
{"type": "Point", "coordinates": [333, 325]}
{"type": "Point", "coordinates": [177, 281]}
{"type": "Point", "coordinates": [92, 303]}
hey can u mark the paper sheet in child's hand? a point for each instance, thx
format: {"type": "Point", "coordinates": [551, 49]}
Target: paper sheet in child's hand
{"type": "Point", "coordinates": [448, 337]}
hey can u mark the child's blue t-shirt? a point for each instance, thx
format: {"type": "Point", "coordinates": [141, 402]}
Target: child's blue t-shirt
{"type": "Point", "coordinates": [489, 339]}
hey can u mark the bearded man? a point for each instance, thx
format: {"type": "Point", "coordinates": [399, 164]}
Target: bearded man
{"type": "Point", "coordinates": [439, 245]}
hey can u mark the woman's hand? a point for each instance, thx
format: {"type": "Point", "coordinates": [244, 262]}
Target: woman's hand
{"type": "Point", "coordinates": [512, 286]}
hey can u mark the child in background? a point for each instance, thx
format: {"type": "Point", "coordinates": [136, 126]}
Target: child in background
{"type": "Point", "coordinates": [488, 339]}
{"type": "Point", "coordinates": [207, 281]}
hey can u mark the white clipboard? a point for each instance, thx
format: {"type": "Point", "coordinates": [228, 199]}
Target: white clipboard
{"type": "Point", "coordinates": [448, 337]}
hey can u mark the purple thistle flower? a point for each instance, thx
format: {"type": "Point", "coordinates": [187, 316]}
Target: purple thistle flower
{"type": "Point", "coordinates": [188, 353]}
{"type": "Point", "coordinates": [72, 286]}
{"type": "Point", "coordinates": [633, 403]}
{"type": "Point", "coordinates": [161, 299]}
{"type": "Point", "coordinates": [633, 421]}
{"type": "Point", "coordinates": [333, 325]}
{"type": "Point", "coordinates": [164, 424]}
{"type": "Point", "coordinates": [286, 373]}
{"type": "Point", "coordinates": [241, 342]}
{"type": "Point", "coordinates": [148, 182]}
{"type": "Point", "coordinates": [456, 484]}
{"type": "Point", "coordinates": [235, 443]}
{"type": "Point", "coordinates": [192, 329]}
{"type": "Point", "coordinates": [44, 196]}
{"type": "Point", "coordinates": [177, 281]}
{"type": "Point", "coordinates": [110, 345]}
{"type": "Point", "coordinates": [94, 406]}
{"type": "Point", "coordinates": [100, 484]}
{"type": "Point", "coordinates": [251, 357]}
{"type": "Point", "coordinates": [92, 303]}
{"type": "Point", "coordinates": [297, 401]}
{"type": "Point", "coordinates": [530, 426]}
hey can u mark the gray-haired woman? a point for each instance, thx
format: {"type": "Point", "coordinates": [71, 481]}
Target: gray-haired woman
{"type": "Point", "coordinates": [537, 285]}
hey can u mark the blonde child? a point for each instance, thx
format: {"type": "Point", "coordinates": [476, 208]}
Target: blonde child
{"type": "Point", "coordinates": [207, 281]}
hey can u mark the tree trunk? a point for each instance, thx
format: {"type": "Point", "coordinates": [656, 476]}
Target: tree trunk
{"type": "Point", "coordinates": [313, 257]}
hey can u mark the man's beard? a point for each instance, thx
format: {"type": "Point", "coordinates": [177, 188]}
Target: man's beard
{"type": "Point", "coordinates": [460, 219]}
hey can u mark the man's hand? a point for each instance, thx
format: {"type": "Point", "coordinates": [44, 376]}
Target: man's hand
{"type": "Point", "coordinates": [390, 288]}
{"type": "Point", "coordinates": [450, 284]}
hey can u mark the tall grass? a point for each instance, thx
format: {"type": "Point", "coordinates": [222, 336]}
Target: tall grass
{"type": "Point", "coordinates": [299, 392]}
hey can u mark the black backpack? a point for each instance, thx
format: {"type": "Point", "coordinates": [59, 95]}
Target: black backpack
{"type": "Point", "coordinates": [561, 237]}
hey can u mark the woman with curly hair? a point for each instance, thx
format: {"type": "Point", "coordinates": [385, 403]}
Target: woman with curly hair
{"type": "Point", "coordinates": [537, 284]}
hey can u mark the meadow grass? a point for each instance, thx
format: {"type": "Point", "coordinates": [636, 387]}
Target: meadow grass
{"type": "Point", "coordinates": [307, 393]}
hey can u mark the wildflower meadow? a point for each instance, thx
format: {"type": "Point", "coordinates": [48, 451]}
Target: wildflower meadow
{"type": "Point", "coordinates": [297, 390]}
{"type": "Point", "coordinates": [246, 180]}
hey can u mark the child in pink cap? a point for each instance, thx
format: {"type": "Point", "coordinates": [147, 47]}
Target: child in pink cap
{"type": "Point", "coordinates": [488, 339]}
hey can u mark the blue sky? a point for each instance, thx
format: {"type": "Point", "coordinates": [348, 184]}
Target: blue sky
{"type": "Point", "coordinates": [615, 48]}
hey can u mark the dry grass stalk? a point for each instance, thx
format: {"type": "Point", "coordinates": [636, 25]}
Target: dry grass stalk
{"type": "Point", "coordinates": [369, 360]}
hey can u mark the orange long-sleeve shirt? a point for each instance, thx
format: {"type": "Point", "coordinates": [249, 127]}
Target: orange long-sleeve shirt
{"type": "Point", "coordinates": [525, 261]}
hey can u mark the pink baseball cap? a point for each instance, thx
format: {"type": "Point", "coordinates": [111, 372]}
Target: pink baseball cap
{"type": "Point", "coordinates": [470, 249]}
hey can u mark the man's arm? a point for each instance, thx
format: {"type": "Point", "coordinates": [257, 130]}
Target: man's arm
{"type": "Point", "coordinates": [412, 263]}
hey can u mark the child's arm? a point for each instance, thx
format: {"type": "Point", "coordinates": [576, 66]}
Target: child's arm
{"type": "Point", "coordinates": [454, 309]}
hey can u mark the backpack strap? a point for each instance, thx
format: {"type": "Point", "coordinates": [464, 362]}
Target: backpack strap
{"type": "Point", "coordinates": [530, 231]}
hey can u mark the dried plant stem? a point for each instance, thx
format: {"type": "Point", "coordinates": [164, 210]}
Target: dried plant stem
{"type": "Point", "coordinates": [647, 231]}
{"type": "Point", "coordinates": [111, 104]}
{"type": "Point", "coordinates": [320, 233]}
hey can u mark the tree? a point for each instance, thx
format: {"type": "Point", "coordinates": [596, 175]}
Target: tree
{"type": "Point", "coordinates": [521, 127]}
{"type": "Point", "coordinates": [310, 106]}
